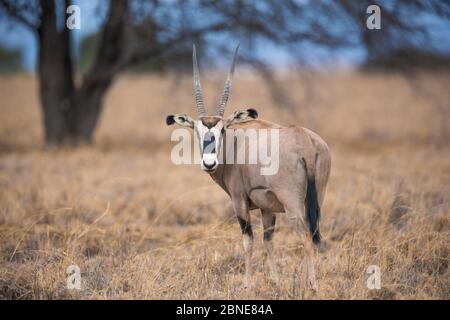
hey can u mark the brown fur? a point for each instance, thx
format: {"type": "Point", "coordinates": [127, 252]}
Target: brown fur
{"type": "Point", "coordinates": [303, 158]}
{"type": "Point", "coordinates": [210, 121]}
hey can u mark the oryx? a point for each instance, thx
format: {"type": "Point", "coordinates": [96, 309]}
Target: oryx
{"type": "Point", "coordinates": [297, 189]}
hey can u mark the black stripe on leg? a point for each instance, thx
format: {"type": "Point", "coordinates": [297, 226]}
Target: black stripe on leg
{"type": "Point", "coordinates": [246, 227]}
{"type": "Point", "coordinates": [268, 232]}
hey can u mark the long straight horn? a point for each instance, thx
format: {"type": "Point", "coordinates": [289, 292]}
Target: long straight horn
{"type": "Point", "coordinates": [197, 87]}
{"type": "Point", "coordinates": [227, 88]}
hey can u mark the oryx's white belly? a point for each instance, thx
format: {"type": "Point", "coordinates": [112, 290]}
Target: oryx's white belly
{"type": "Point", "coordinates": [265, 200]}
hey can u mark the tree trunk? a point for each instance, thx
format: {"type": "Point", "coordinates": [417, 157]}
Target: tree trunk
{"type": "Point", "coordinates": [87, 106]}
{"type": "Point", "coordinates": [71, 114]}
{"type": "Point", "coordinates": [55, 76]}
{"type": "Point", "coordinates": [110, 60]}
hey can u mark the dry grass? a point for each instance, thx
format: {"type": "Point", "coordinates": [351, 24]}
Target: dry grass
{"type": "Point", "coordinates": [140, 227]}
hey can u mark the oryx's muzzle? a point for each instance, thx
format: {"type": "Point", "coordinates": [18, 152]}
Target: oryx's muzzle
{"type": "Point", "coordinates": [210, 147]}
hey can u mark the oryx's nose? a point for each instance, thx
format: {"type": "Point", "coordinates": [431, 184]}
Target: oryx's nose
{"type": "Point", "coordinates": [209, 166]}
{"type": "Point", "coordinates": [209, 161]}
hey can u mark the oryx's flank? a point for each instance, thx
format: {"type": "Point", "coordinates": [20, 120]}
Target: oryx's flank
{"type": "Point", "coordinates": [297, 189]}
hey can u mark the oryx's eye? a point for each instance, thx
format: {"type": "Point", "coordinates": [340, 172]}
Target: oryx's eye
{"type": "Point", "coordinates": [209, 145]}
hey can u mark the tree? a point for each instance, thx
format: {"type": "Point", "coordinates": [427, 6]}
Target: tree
{"type": "Point", "coordinates": [134, 31]}
{"type": "Point", "coordinates": [404, 26]}
{"type": "Point", "coordinates": [162, 32]}
{"type": "Point", "coordinates": [70, 113]}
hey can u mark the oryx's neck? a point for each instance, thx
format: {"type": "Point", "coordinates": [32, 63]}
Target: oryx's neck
{"type": "Point", "coordinates": [218, 176]}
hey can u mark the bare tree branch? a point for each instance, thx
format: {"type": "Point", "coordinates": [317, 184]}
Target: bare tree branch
{"type": "Point", "coordinates": [16, 10]}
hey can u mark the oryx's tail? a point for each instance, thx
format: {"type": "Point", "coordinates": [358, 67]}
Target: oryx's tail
{"type": "Point", "coordinates": [312, 209]}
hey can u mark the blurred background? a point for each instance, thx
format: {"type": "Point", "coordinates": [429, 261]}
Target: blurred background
{"type": "Point", "coordinates": [85, 170]}
{"type": "Point", "coordinates": [76, 68]}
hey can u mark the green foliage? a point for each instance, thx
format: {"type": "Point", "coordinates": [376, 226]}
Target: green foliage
{"type": "Point", "coordinates": [88, 52]}
{"type": "Point", "coordinates": [10, 60]}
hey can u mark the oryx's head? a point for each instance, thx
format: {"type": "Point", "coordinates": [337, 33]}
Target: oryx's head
{"type": "Point", "coordinates": [209, 130]}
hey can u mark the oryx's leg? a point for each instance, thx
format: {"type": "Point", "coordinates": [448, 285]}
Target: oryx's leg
{"type": "Point", "coordinates": [298, 222]}
{"type": "Point", "coordinates": [268, 221]}
{"type": "Point", "coordinates": [295, 214]}
{"type": "Point", "coordinates": [309, 252]}
{"type": "Point", "coordinates": [243, 215]}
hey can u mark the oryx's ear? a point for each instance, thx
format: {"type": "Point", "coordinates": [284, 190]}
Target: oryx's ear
{"type": "Point", "coordinates": [181, 119]}
{"type": "Point", "coordinates": [240, 116]}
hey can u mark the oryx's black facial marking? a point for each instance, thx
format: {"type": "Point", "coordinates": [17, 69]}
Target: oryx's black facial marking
{"type": "Point", "coordinates": [246, 227]}
{"type": "Point", "coordinates": [209, 143]}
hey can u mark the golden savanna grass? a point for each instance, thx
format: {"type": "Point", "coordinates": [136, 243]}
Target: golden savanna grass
{"type": "Point", "coordinates": [140, 227]}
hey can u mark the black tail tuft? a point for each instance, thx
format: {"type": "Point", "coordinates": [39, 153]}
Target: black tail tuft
{"type": "Point", "coordinates": [313, 210]}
